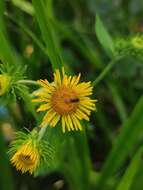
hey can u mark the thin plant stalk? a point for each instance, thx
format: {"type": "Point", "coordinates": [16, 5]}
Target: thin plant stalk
{"type": "Point", "coordinates": [106, 70]}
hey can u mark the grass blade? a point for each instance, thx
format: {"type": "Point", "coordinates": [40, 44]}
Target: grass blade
{"type": "Point", "coordinates": [6, 55]}
{"type": "Point", "coordinates": [24, 5]}
{"type": "Point", "coordinates": [130, 173]}
{"type": "Point", "coordinates": [48, 33]}
{"type": "Point", "coordinates": [104, 37]}
{"type": "Point", "coordinates": [130, 132]}
{"type": "Point", "coordinates": [27, 31]}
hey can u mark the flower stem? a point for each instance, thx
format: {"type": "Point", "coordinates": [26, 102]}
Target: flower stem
{"type": "Point", "coordinates": [42, 132]}
{"type": "Point", "coordinates": [105, 71]}
{"type": "Point", "coordinates": [32, 82]}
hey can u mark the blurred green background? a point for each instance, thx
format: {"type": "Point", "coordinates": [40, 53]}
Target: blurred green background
{"type": "Point", "coordinates": [115, 132]}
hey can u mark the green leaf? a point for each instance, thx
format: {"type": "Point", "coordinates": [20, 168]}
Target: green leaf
{"type": "Point", "coordinates": [48, 33]}
{"type": "Point", "coordinates": [2, 8]}
{"type": "Point", "coordinates": [24, 5]}
{"type": "Point", "coordinates": [104, 37]}
{"type": "Point", "coordinates": [82, 44]}
{"type": "Point", "coordinates": [131, 171]}
{"type": "Point", "coordinates": [6, 54]}
{"type": "Point", "coordinates": [128, 137]}
{"type": "Point", "coordinates": [137, 183]}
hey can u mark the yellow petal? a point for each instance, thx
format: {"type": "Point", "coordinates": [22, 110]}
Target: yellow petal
{"type": "Point", "coordinates": [70, 122]}
{"type": "Point", "coordinates": [65, 80]}
{"type": "Point", "coordinates": [85, 110]}
{"type": "Point", "coordinates": [57, 77]}
{"type": "Point", "coordinates": [41, 100]}
{"type": "Point", "coordinates": [82, 115]}
{"type": "Point", "coordinates": [76, 123]}
{"type": "Point", "coordinates": [67, 123]}
{"type": "Point", "coordinates": [76, 80]}
{"type": "Point", "coordinates": [45, 84]}
{"type": "Point", "coordinates": [55, 120]}
{"type": "Point", "coordinates": [68, 80]}
{"type": "Point", "coordinates": [49, 116]}
{"type": "Point", "coordinates": [89, 107]}
{"type": "Point", "coordinates": [44, 107]}
{"type": "Point", "coordinates": [73, 80]}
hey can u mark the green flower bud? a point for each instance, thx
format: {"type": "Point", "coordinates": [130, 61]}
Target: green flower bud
{"type": "Point", "coordinates": [137, 42]}
{"type": "Point", "coordinates": [4, 83]}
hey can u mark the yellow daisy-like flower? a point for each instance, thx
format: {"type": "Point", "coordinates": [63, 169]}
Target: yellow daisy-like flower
{"type": "Point", "coordinates": [26, 158]}
{"type": "Point", "coordinates": [4, 83]}
{"type": "Point", "coordinates": [65, 100]}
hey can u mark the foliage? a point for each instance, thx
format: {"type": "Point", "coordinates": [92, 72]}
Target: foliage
{"type": "Point", "coordinates": [104, 42]}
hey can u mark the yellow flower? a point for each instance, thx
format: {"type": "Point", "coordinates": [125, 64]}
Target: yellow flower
{"type": "Point", "coordinates": [29, 153]}
{"type": "Point", "coordinates": [4, 83]}
{"type": "Point", "coordinates": [65, 100]}
{"type": "Point", "coordinates": [26, 158]}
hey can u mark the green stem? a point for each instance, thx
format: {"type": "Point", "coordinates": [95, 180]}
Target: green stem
{"type": "Point", "coordinates": [105, 71]}
{"type": "Point", "coordinates": [118, 101]}
{"type": "Point", "coordinates": [32, 82]}
{"type": "Point", "coordinates": [42, 132]}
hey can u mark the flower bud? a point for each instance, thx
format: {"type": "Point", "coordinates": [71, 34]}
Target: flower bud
{"type": "Point", "coordinates": [4, 83]}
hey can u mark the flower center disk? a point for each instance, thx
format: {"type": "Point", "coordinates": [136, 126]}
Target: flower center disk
{"type": "Point", "coordinates": [25, 159]}
{"type": "Point", "coordinates": [64, 100]}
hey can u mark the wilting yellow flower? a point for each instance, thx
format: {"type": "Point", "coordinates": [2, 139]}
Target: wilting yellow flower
{"type": "Point", "coordinates": [29, 153]}
{"type": "Point", "coordinates": [4, 83]}
{"type": "Point", "coordinates": [65, 100]}
{"type": "Point", "coordinates": [26, 158]}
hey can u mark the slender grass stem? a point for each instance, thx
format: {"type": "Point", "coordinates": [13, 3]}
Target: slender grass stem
{"type": "Point", "coordinates": [118, 101]}
{"type": "Point", "coordinates": [106, 70]}
{"type": "Point", "coordinates": [31, 82]}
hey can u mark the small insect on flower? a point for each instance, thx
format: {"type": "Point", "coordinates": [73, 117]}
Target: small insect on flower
{"type": "Point", "coordinates": [65, 100]}
{"type": "Point", "coordinates": [72, 100]}
{"type": "Point", "coordinates": [28, 153]}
